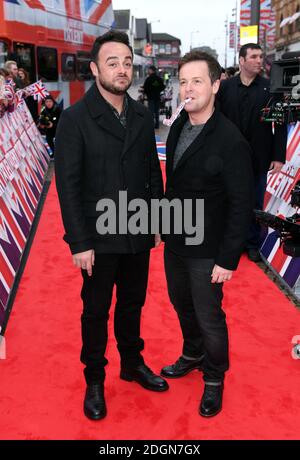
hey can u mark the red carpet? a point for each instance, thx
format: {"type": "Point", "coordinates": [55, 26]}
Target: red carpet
{"type": "Point", "coordinates": [42, 385]}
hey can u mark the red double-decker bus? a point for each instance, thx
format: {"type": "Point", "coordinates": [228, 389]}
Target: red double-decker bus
{"type": "Point", "coordinates": [51, 39]}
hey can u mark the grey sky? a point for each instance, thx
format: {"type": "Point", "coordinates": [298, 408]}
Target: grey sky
{"type": "Point", "coordinates": [183, 18]}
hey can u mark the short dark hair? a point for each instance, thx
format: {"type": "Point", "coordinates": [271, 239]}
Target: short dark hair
{"type": "Point", "coordinates": [214, 68]}
{"type": "Point", "coordinates": [152, 67]}
{"type": "Point", "coordinates": [248, 46]}
{"type": "Point", "coordinates": [110, 36]}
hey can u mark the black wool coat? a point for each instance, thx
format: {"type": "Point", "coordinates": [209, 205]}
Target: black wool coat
{"type": "Point", "coordinates": [217, 168]}
{"type": "Point", "coordinates": [96, 158]}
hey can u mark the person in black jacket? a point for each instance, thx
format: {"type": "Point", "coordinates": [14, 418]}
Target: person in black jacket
{"type": "Point", "coordinates": [105, 145]}
{"type": "Point", "coordinates": [48, 120]}
{"type": "Point", "coordinates": [241, 99]}
{"type": "Point", "coordinates": [207, 159]}
{"type": "Point", "coordinates": [153, 86]}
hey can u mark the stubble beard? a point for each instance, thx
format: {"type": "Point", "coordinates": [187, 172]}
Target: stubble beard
{"type": "Point", "coordinates": [112, 88]}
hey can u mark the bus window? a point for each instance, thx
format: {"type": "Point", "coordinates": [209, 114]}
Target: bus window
{"type": "Point", "coordinates": [25, 58]}
{"type": "Point", "coordinates": [47, 63]}
{"type": "Point", "coordinates": [68, 67]}
{"type": "Point", "coordinates": [83, 66]}
{"type": "Point", "coordinates": [3, 53]}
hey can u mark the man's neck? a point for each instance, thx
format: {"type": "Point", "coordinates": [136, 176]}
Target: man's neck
{"type": "Point", "coordinates": [116, 100]}
{"type": "Point", "coordinates": [247, 78]}
{"type": "Point", "coordinates": [202, 117]}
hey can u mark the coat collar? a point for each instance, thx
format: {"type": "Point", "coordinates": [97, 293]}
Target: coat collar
{"type": "Point", "coordinates": [195, 145]}
{"type": "Point", "coordinates": [105, 118]}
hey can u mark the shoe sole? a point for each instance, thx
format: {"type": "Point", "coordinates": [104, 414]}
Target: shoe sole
{"type": "Point", "coordinates": [181, 375]}
{"type": "Point", "coordinates": [128, 378]}
{"type": "Point", "coordinates": [210, 415]}
{"type": "Point", "coordinates": [94, 417]}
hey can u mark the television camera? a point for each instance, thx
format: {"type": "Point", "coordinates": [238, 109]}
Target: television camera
{"type": "Point", "coordinates": [287, 228]}
{"type": "Point", "coordinates": [284, 105]}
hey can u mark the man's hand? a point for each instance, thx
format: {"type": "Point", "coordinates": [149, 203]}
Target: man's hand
{"type": "Point", "coordinates": [219, 274]}
{"type": "Point", "coordinates": [275, 167]}
{"type": "Point", "coordinates": [85, 260]}
{"type": "Point", "coordinates": [157, 240]}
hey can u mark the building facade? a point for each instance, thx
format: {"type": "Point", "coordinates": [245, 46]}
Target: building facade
{"type": "Point", "coordinates": [166, 50]}
{"type": "Point", "coordinates": [287, 26]}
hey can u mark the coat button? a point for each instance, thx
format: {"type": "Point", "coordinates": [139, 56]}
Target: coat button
{"type": "Point", "coordinates": [147, 185]}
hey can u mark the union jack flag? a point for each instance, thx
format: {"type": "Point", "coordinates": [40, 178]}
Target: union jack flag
{"type": "Point", "coordinates": [37, 90]}
{"type": "Point", "coordinates": [88, 10]}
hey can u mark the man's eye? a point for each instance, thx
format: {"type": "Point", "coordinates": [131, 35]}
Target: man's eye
{"type": "Point", "coordinates": [128, 64]}
{"type": "Point", "coordinates": [182, 83]}
{"type": "Point", "coordinates": [112, 64]}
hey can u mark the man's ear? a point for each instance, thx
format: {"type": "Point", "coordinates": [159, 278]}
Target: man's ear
{"type": "Point", "coordinates": [216, 86]}
{"type": "Point", "coordinates": [94, 69]}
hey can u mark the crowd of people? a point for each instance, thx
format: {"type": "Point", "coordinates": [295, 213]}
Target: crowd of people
{"type": "Point", "coordinates": [17, 78]}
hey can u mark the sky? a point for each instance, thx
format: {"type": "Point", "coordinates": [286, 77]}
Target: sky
{"type": "Point", "coordinates": [200, 22]}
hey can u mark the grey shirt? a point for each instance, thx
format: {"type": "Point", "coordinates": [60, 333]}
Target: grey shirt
{"type": "Point", "coordinates": [187, 136]}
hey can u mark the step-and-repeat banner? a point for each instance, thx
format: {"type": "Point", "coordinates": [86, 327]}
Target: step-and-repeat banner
{"type": "Point", "coordinates": [277, 202]}
{"type": "Point", "coordinates": [23, 163]}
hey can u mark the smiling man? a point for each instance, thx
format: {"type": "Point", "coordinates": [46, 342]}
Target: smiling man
{"type": "Point", "coordinates": [105, 144]}
{"type": "Point", "coordinates": [208, 159]}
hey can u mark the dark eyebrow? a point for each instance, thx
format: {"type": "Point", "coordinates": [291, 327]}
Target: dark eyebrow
{"type": "Point", "coordinates": [117, 57]}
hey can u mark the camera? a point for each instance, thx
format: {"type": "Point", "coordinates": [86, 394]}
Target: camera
{"type": "Point", "coordinates": [287, 228]}
{"type": "Point", "coordinates": [284, 106]}
{"type": "Point", "coordinates": [44, 120]}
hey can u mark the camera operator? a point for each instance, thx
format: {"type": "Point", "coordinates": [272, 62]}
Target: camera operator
{"type": "Point", "coordinates": [242, 98]}
{"type": "Point", "coordinates": [48, 120]}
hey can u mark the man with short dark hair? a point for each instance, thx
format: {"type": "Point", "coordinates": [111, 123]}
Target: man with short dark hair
{"type": "Point", "coordinates": [242, 98]}
{"type": "Point", "coordinates": [153, 86]}
{"type": "Point", "coordinates": [105, 145]}
{"type": "Point", "coordinates": [207, 159]}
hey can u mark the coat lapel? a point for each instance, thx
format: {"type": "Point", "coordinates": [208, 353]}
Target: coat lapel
{"type": "Point", "coordinates": [135, 123]}
{"type": "Point", "coordinates": [173, 139]}
{"type": "Point", "coordinates": [103, 115]}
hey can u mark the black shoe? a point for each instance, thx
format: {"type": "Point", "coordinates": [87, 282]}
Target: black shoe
{"type": "Point", "coordinates": [145, 377]}
{"type": "Point", "coordinates": [181, 367]}
{"type": "Point", "coordinates": [211, 402]}
{"type": "Point", "coordinates": [94, 403]}
{"type": "Point", "coordinates": [254, 255]}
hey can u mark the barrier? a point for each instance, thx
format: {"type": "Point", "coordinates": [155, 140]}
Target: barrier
{"type": "Point", "coordinates": [277, 202]}
{"type": "Point", "coordinates": [23, 163]}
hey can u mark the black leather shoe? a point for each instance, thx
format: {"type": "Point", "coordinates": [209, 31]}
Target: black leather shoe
{"type": "Point", "coordinates": [211, 402]}
{"type": "Point", "coordinates": [181, 367]}
{"type": "Point", "coordinates": [145, 377]}
{"type": "Point", "coordinates": [94, 403]}
{"type": "Point", "coordinates": [254, 255]}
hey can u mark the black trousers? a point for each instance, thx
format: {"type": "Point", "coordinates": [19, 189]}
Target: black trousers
{"type": "Point", "coordinates": [198, 303]}
{"type": "Point", "coordinates": [154, 105]}
{"type": "Point", "coordinates": [129, 272]}
{"type": "Point", "coordinates": [254, 239]}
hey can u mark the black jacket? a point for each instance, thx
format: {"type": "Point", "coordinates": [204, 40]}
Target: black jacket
{"type": "Point", "coordinates": [216, 167]}
{"type": "Point", "coordinates": [95, 158]}
{"type": "Point", "coordinates": [153, 86]}
{"type": "Point", "coordinates": [266, 146]}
